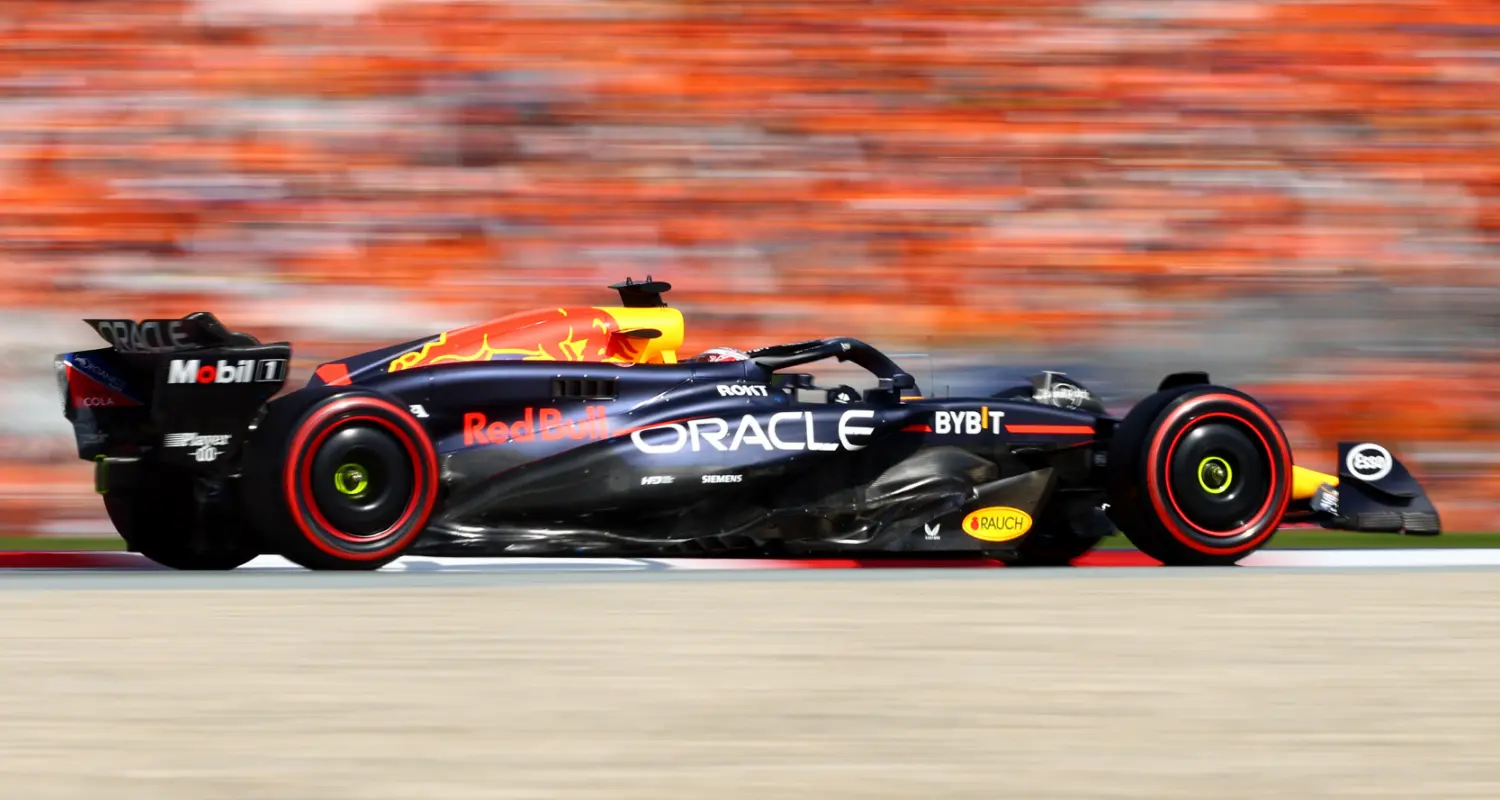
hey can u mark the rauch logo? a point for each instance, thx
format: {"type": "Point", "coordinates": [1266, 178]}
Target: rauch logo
{"type": "Point", "coordinates": [997, 524]}
{"type": "Point", "coordinates": [546, 424]}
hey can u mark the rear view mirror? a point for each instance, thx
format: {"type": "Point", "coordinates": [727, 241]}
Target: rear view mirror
{"type": "Point", "coordinates": [899, 381]}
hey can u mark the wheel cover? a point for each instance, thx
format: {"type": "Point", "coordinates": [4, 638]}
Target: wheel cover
{"type": "Point", "coordinates": [363, 480]}
{"type": "Point", "coordinates": [1218, 474]}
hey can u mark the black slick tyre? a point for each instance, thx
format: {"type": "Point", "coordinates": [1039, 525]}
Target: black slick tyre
{"type": "Point", "coordinates": [157, 520]}
{"type": "Point", "coordinates": [1199, 475]}
{"type": "Point", "coordinates": [341, 479]}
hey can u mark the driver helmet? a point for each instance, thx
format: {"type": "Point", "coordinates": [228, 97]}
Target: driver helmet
{"type": "Point", "coordinates": [722, 354]}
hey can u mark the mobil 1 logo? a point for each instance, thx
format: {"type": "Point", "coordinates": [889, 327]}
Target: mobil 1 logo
{"type": "Point", "coordinates": [243, 370]}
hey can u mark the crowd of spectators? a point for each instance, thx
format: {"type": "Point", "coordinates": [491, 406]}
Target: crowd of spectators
{"type": "Point", "coordinates": [1303, 196]}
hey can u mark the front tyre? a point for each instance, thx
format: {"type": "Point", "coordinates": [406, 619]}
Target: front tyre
{"type": "Point", "coordinates": [342, 481]}
{"type": "Point", "coordinates": [1199, 476]}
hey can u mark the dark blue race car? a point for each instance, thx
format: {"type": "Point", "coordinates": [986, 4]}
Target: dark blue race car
{"type": "Point", "coordinates": [583, 431]}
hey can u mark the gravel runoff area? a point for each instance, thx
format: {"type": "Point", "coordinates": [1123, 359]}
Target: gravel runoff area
{"type": "Point", "coordinates": [1171, 685]}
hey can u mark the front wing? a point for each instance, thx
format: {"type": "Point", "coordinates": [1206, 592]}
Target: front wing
{"type": "Point", "coordinates": [1373, 492]}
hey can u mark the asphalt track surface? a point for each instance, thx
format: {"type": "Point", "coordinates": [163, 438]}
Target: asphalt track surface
{"type": "Point", "coordinates": [1082, 683]}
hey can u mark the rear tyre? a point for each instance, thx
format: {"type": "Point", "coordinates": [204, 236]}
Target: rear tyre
{"type": "Point", "coordinates": [1200, 475]}
{"type": "Point", "coordinates": [158, 520]}
{"type": "Point", "coordinates": [341, 480]}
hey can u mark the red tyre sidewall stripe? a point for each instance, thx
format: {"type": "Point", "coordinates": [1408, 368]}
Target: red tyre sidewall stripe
{"type": "Point", "coordinates": [420, 450]}
{"type": "Point", "coordinates": [1278, 500]}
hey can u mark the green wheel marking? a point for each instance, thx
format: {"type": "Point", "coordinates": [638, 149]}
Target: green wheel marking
{"type": "Point", "coordinates": [1214, 475]}
{"type": "Point", "coordinates": [351, 480]}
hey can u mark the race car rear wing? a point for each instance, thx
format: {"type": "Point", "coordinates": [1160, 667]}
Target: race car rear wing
{"type": "Point", "coordinates": [181, 390]}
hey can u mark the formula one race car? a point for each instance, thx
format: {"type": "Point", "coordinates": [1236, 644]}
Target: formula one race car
{"type": "Point", "coordinates": [578, 431]}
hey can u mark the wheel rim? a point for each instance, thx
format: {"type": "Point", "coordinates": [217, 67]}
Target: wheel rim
{"type": "Point", "coordinates": [1220, 476]}
{"type": "Point", "coordinates": [363, 481]}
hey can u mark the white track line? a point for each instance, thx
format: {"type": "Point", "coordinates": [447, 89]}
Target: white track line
{"type": "Point", "coordinates": [1375, 558]}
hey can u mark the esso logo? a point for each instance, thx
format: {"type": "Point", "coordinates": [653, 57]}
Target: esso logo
{"type": "Point", "coordinates": [1369, 462]}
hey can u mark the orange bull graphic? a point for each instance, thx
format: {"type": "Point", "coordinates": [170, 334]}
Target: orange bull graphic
{"type": "Point", "coordinates": [547, 424]}
{"type": "Point", "coordinates": [601, 335]}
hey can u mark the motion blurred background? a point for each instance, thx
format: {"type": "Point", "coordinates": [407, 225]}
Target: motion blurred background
{"type": "Point", "coordinates": [1301, 197]}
